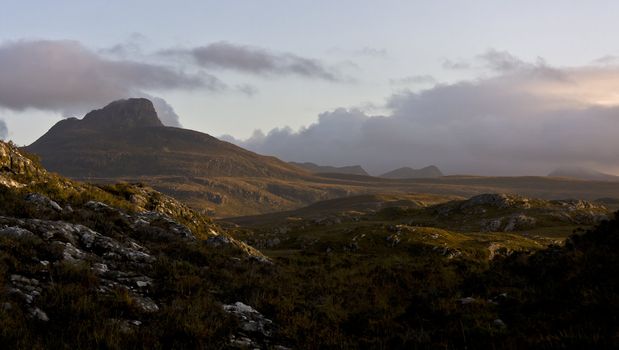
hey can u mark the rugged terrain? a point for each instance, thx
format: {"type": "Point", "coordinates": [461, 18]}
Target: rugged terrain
{"type": "Point", "coordinates": [125, 141]}
{"type": "Point", "coordinates": [123, 266]}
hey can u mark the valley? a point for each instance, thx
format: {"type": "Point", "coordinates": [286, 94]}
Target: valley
{"type": "Point", "coordinates": [204, 244]}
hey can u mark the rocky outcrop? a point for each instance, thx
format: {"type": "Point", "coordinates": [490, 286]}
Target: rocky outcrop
{"type": "Point", "coordinates": [117, 257]}
{"type": "Point", "coordinates": [16, 170]}
{"type": "Point", "coordinates": [123, 114]}
{"type": "Point", "coordinates": [254, 331]}
{"type": "Point", "coordinates": [497, 212]}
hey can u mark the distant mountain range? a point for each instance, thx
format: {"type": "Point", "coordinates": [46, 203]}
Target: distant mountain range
{"type": "Point", "coordinates": [583, 174]}
{"type": "Point", "coordinates": [410, 173]}
{"type": "Point", "coordinates": [126, 141]}
{"type": "Point", "coordinates": [317, 169]}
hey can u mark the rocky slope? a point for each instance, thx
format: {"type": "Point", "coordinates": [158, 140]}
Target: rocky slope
{"type": "Point", "coordinates": [123, 266]}
{"type": "Point", "coordinates": [103, 247]}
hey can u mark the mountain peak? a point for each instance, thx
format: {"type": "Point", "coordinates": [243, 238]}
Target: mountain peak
{"type": "Point", "coordinates": [124, 114]}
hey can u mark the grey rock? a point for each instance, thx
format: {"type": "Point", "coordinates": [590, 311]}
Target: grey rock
{"type": "Point", "coordinates": [15, 232]}
{"type": "Point", "coordinates": [147, 305]}
{"type": "Point", "coordinates": [218, 241]}
{"type": "Point", "coordinates": [250, 319]}
{"type": "Point", "coordinates": [42, 201]}
{"type": "Point", "coordinates": [39, 314]}
{"type": "Point", "coordinates": [467, 300]}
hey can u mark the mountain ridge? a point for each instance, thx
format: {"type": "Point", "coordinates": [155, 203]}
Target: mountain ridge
{"type": "Point", "coordinates": [318, 169]}
{"type": "Point", "coordinates": [583, 174]}
{"type": "Point", "coordinates": [126, 138]}
{"type": "Point", "coordinates": [431, 171]}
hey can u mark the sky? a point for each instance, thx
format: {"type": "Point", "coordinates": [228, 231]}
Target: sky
{"type": "Point", "coordinates": [477, 87]}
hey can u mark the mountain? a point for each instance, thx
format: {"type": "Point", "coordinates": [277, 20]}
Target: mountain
{"type": "Point", "coordinates": [126, 141]}
{"type": "Point", "coordinates": [317, 169]}
{"type": "Point", "coordinates": [410, 173]}
{"type": "Point", "coordinates": [126, 138]}
{"type": "Point", "coordinates": [583, 174]}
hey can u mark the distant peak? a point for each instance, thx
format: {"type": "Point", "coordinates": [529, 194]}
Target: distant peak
{"type": "Point", "coordinates": [408, 172]}
{"type": "Point", "coordinates": [123, 114]}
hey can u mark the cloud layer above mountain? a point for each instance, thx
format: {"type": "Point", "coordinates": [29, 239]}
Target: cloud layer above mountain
{"type": "Point", "coordinates": [66, 77]}
{"type": "Point", "coordinates": [526, 118]}
{"type": "Point", "coordinates": [254, 60]}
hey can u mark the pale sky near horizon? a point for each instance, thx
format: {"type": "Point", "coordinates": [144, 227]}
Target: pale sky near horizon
{"type": "Point", "coordinates": [305, 58]}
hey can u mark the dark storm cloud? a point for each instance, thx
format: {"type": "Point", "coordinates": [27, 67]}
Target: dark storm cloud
{"type": "Point", "coordinates": [255, 60]}
{"type": "Point", "coordinates": [66, 77]}
{"type": "Point", "coordinates": [519, 122]}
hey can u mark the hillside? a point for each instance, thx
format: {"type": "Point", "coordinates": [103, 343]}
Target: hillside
{"type": "Point", "coordinates": [483, 272]}
{"type": "Point", "coordinates": [126, 138]}
{"type": "Point", "coordinates": [122, 266]}
{"type": "Point", "coordinates": [125, 141]}
{"type": "Point", "coordinates": [583, 174]}
{"type": "Point", "coordinates": [316, 169]}
{"type": "Point", "coordinates": [410, 173]}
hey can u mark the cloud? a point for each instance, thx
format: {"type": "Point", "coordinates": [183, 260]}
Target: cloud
{"type": "Point", "coordinates": [254, 60]}
{"type": "Point", "coordinates": [501, 61]}
{"type": "Point", "coordinates": [456, 65]}
{"type": "Point", "coordinates": [66, 77]}
{"type": "Point", "coordinates": [372, 52]}
{"type": "Point", "coordinates": [4, 131]}
{"type": "Point", "coordinates": [165, 111]}
{"type": "Point", "coordinates": [414, 80]}
{"type": "Point", "coordinates": [522, 121]}
{"type": "Point", "coordinates": [606, 60]}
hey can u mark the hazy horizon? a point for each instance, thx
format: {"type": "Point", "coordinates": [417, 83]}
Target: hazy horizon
{"type": "Point", "coordinates": [517, 88]}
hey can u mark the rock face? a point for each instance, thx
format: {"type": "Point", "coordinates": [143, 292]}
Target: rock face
{"type": "Point", "coordinates": [410, 173]}
{"type": "Point", "coordinates": [123, 114]}
{"type": "Point", "coordinates": [15, 169]}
